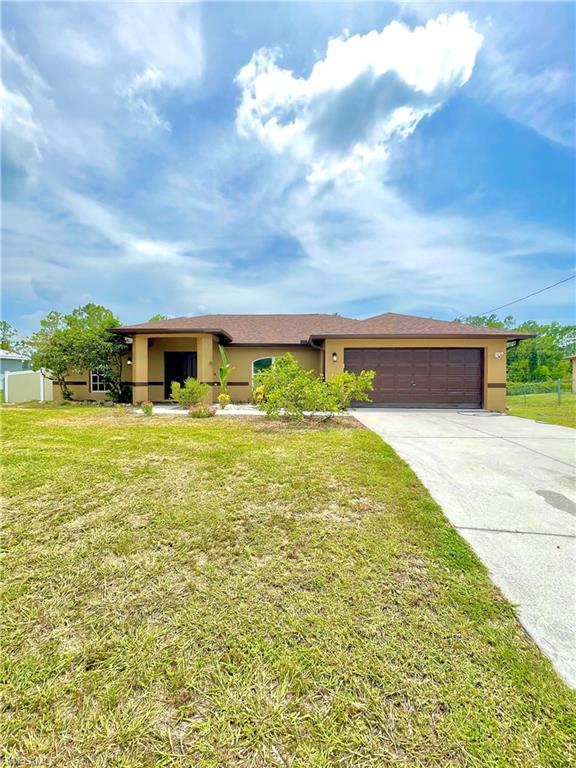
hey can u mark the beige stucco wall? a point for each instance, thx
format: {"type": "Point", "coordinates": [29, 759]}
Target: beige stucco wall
{"type": "Point", "coordinates": [494, 360]}
{"type": "Point", "coordinates": [573, 362]}
{"type": "Point", "coordinates": [79, 383]}
{"type": "Point", "coordinates": [241, 359]}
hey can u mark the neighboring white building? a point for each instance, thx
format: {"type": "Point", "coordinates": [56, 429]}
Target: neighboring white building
{"type": "Point", "coordinates": [11, 362]}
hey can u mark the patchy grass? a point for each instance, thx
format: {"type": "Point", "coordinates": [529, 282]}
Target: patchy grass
{"type": "Point", "coordinates": [228, 593]}
{"type": "Point", "coordinates": [545, 407]}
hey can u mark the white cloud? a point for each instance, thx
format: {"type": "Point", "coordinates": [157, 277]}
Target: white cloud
{"type": "Point", "coordinates": [138, 95]}
{"type": "Point", "coordinates": [166, 40]}
{"type": "Point", "coordinates": [97, 60]}
{"type": "Point", "coordinates": [526, 69]}
{"type": "Point", "coordinates": [113, 229]}
{"type": "Point", "coordinates": [368, 91]}
{"type": "Point", "coordinates": [543, 100]}
{"type": "Point", "coordinates": [22, 136]}
{"type": "Point", "coordinates": [21, 63]}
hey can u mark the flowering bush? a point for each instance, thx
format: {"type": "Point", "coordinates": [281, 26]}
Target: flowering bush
{"type": "Point", "coordinates": [224, 399]}
{"type": "Point", "coordinates": [201, 411]}
{"type": "Point", "coordinates": [258, 395]}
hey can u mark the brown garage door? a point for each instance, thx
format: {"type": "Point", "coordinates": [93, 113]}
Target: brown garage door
{"type": "Point", "coordinates": [436, 378]}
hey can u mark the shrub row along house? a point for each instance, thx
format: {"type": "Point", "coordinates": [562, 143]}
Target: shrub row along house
{"type": "Point", "coordinates": [418, 362]}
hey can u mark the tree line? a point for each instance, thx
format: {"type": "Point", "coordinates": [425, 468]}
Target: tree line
{"type": "Point", "coordinates": [542, 358]}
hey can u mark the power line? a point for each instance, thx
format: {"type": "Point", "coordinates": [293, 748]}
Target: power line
{"type": "Point", "coordinates": [528, 296]}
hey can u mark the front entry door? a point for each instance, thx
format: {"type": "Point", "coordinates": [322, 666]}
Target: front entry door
{"type": "Point", "coordinates": [178, 366]}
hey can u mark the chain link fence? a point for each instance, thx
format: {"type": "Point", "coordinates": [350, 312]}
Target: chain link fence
{"type": "Point", "coordinates": [558, 391]}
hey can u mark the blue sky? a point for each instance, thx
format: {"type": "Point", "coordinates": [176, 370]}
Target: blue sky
{"type": "Point", "coordinates": [353, 158]}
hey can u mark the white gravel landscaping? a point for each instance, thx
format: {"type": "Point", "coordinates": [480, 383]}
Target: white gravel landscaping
{"type": "Point", "coordinates": [240, 409]}
{"type": "Point", "coordinates": [234, 409]}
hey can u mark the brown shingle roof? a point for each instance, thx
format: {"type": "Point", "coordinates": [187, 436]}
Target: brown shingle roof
{"type": "Point", "coordinates": [298, 329]}
{"type": "Point", "coordinates": [392, 324]}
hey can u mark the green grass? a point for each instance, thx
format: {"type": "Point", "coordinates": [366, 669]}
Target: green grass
{"type": "Point", "coordinates": [227, 593]}
{"type": "Point", "coordinates": [545, 407]}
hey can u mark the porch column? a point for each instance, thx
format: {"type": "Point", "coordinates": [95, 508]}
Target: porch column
{"type": "Point", "coordinates": [139, 368]}
{"type": "Point", "coordinates": [205, 365]}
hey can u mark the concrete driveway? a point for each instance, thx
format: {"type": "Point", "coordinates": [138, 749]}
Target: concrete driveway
{"type": "Point", "coordinates": [508, 485]}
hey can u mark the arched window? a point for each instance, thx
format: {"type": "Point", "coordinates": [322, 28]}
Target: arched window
{"type": "Point", "coordinates": [261, 364]}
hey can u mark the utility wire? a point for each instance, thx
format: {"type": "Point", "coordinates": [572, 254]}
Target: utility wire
{"type": "Point", "coordinates": [528, 296]}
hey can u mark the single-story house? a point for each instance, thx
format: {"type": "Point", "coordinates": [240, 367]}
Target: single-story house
{"type": "Point", "coordinates": [418, 362]}
{"type": "Point", "coordinates": [12, 362]}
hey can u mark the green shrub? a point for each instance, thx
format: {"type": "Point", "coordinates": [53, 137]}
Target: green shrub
{"type": "Point", "coordinates": [287, 389]}
{"type": "Point", "coordinates": [347, 387]}
{"type": "Point", "coordinates": [147, 408]}
{"type": "Point", "coordinates": [201, 411]}
{"type": "Point", "coordinates": [191, 393]}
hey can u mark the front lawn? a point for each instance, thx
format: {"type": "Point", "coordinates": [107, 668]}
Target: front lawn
{"type": "Point", "coordinates": [239, 593]}
{"type": "Point", "coordinates": [545, 407]}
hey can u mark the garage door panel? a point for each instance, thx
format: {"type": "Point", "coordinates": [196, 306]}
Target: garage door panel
{"type": "Point", "coordinates": [436, 377]}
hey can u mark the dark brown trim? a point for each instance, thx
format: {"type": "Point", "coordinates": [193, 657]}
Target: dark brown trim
{"type": "Point", "coordinates": [147, 383]}
{"type": "Point", "coordinates": [496, 386]}
{"type": "Point", "coordinates": [76, 383]}
{"type": "Point", "coordinates": [230, 383]}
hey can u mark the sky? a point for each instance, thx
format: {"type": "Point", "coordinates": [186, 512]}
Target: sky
{"type": "Point", "coordinates": [356, 158]}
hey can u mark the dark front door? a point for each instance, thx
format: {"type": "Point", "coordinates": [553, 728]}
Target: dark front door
{"type": "Point", "coordinates": [178, 366]}
{"type": "Point", "coordinates": [432, 377]}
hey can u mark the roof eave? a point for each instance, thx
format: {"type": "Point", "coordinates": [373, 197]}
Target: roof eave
{"type": "Point", "coordinates": [317, 337]}
{"type": "Point", "coordinates": [134, 330]}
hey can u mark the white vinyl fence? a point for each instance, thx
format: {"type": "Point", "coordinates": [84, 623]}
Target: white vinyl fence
{"type": "Point", "coordinates": [24, 386]}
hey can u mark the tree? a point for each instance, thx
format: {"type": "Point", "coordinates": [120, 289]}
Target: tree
{"type": "Point", "coordinates": [7, 335]}
{"type": "Point", "coordinates": [538, 359]}
{"type": "Point", "coordinates": [157, 318]}
{"type": "Point", "coordinates": [487, 321]}
{"type": "Point", "coordinates": [53, 350]}
{"type": "Point", "coordinates": [81, 340]}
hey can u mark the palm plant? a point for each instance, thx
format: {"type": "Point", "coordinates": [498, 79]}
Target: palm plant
{"type": "Point", "coordinates": [223, 375]}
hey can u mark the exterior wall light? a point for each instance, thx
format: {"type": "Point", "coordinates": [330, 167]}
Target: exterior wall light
{"type": "Point", "coordinates": [129, 361]}
{"type": "Point", "coordinates": [498, 355]}
{"type": "Point", "coordinates": [334, 356]}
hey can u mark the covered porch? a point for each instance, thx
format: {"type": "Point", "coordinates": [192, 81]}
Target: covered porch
{"type": "Point", "coordinates": [158, 359]}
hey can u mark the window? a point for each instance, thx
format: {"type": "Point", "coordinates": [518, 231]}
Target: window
{"type": "Point", "coordinates": [261, 364]}
{"type": "Point", "coordinates": [97, 383]}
